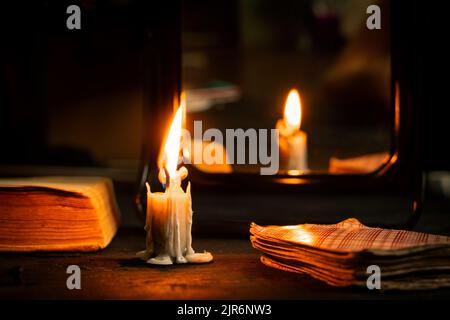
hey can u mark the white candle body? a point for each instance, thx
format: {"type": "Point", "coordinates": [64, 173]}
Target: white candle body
{"type": "Point", "coordinates": [169, 221]}
{"type": "Point", "coordinates": [168, 226]}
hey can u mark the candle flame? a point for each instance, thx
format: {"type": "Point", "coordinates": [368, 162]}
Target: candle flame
{"type": "Point", "coordinates": [172, 146]}
{"type": "Point", "coordinates": [293, 110]}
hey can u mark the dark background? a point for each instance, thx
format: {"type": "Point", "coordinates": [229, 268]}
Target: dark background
{"type": "Point", "coordinates": [46, 70]}
{"type": "Point", "coordinates": [49, 75]}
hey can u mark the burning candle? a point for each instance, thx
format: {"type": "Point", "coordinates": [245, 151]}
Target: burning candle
{"type": "Point", "coordinates": [293, 141]}
{"type": "Point", "coordinates": [169, 213]}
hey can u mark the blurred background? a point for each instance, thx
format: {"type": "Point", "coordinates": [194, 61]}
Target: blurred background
{"type": "Point", "coordinates": [74, 98]}
{"type": "Point", "coordinates": [72, 101]}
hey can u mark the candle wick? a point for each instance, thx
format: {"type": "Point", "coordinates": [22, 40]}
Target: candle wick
{"type": "Point", "coordinates": [167, 177]}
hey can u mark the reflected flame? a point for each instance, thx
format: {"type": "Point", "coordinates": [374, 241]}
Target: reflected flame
{"type": "Point", "coordinates": [172, 147]}
{"type": "Point", "coordinates": [293, 110]}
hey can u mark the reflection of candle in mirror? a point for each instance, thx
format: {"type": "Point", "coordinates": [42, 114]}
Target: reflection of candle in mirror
{"type": "Point", "coordinates": [169, 213]}
{"type": "Point", "coordinates": [293, 141]}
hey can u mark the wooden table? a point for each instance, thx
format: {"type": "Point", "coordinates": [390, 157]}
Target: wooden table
{"type": "Point", "coordinates": [115, 273]}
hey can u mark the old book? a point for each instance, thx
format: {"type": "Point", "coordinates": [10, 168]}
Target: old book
{"type": "Point", "coordinates": [57, 214]}
{"type": "Point", "coordinates": [340, 254]}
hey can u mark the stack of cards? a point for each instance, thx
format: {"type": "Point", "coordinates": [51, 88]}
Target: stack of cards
{"type": "Point", "coordinates": [348, 253]}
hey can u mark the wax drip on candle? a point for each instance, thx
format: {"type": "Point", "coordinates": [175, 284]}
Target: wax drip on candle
{"type": "Point", "coordinates": [164, 177]}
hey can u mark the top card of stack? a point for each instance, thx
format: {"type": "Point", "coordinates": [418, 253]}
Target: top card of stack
{"type": "Point", "coordinates": [340, 254]}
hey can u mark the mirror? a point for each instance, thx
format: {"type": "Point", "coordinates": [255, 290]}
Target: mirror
{"type": "Point", "coordinates": [240, 60]}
